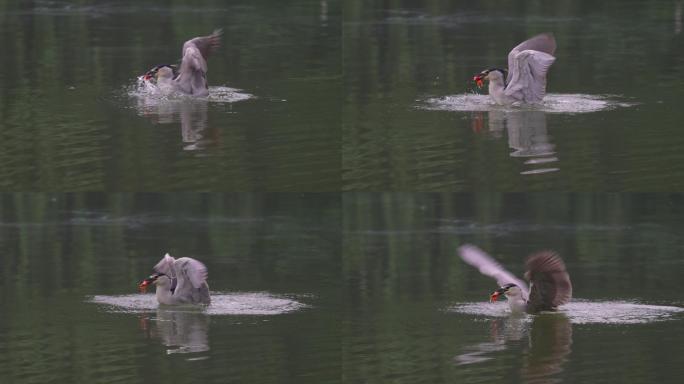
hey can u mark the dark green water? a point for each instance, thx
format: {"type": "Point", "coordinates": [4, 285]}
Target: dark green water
{"type": "Point", "coordinates": [67, 123]}
{"type": "Point", "coordinates": [58, 250]}
{"type": "Point", "coordinates": [378, 273]}
{"type": "Point", "coordinates": [403, 278]}
{"type": "Point", "coordinates": [399, 54]}
{"type": "Point", "coordinates": [327, 182]}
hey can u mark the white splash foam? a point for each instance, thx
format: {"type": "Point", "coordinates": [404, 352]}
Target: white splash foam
{"type": "Point", "coordinates": [238, 303]}
{"type": "Point", "coordinates": [552, 103]}
{"type": "Point", "coordinates": [585, 312]}
{"type": "Point", "coordinates": [152, 94]}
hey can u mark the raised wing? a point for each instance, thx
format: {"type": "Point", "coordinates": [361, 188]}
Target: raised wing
{"type": "Point", "coordinates": [190, 270]}
{"type": "Point", "coordinates": [192, 75]}
{"type": "Point", "coordinates": [544, 42]}
{"type": "Point", "coordinates": [205, 44]}
{"type": "Point", "coordinates": [528, 64]}
{"type": "Point", "coordinates": [490, 267]}
{"type": "Point", "coordinates": [549, 281]}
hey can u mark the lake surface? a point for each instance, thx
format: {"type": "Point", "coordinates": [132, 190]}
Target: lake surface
{"type": "Point", "coordinates": [401, 56]}
{"type": "Point", "coordinates": [68, 122]}
{"type": "Point", "coordinates": [70, 311]}
{"type": "Point", "coordinates": [417, 313]}
{"type": "Point", "coordinates": [332, 288]}
{"type": "Point", "coordinates": [340, 159]}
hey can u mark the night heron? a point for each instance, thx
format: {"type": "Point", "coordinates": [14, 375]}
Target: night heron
{"type": "Point", "coordinates": [179, 281]}
{"type": "Point", "coordinates": [549, 281]}
{"type": "Point", "coordinates": [525, 80]}
{"type": "Point", "coordinates": [191, 76]}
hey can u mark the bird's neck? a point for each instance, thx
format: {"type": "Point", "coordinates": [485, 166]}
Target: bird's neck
{"type": "Point", "coordinates": [517, 304]}
{"type": "Point", "coordinates": [164, 296]}
{"type": "Point", "coordinates": [496, 90]}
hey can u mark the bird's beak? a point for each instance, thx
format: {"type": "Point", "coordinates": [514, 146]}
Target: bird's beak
{"type": "Point", "coordinates": [495, 295]}
{"type": "Point", "coordinates": [479, 79]}
{"type": "Point", "coordinates": [150, 280]}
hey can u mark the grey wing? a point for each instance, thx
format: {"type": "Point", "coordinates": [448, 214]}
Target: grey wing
{"type": "Point", "coordinates": [165, 266]}
{"type": "Point", "coordinates": [550, 284]}
{"type": "Point", "coordinates": [192, 75]}
{"type": "Point", "coordinates": [543, 42]}
{"type": "Point", "coordinates": [528, 64]}
{"type": "Point", "coordinates": [192, 271]}
{"type": "Point", "coordinates": [490, 267]}
{"type": "Point", "coordinates": [205, 44]}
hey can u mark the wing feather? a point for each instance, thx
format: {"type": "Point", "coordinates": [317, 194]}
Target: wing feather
{"type": "Point", "coordinates": [192, 75]}
{"type": "Point", "coordinates": [189, 269]}
{"type": "Point", "coordinates": [550, 284]}
{"type": "Point", "coordinates": [165, 266]}
{"type": "Point", "coordinates": [490, 267]}
{"type": "Point", "coordinates": [528, 64]}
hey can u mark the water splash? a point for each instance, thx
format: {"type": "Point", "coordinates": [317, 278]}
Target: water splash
{"type": "Point", "coordinates": [238, 303]}
{"type": "Point", "coordinates": [152, 95]}
{"type": "Point", "coordinates": [584, 311]}
{"type": "Point", "coordinates": [552, 103]}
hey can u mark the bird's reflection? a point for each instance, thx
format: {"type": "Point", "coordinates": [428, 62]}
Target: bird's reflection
{"type": "Point", "coordinates": [180, 331]}
{"type": "Point", "coordinates": [503, 331]}
{"type": "Point", "coordinates": [549, 343]}
{"type": "Point", "coordinates": [190, 113]}
{"type": "Point", "coordinates": [527, 136]}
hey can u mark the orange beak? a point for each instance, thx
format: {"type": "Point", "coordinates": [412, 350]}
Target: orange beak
{"type": "Point", "coordinates": [143, 286]}
{"type": "Point", "coordinates": [145, 283]}
{"type": "Point", "coordinates": [494, 296]}
{"type": "Point", "coordinates": [478, 80]}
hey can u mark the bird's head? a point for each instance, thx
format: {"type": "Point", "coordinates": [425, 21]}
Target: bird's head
{"type": "Point", "coordinates": [163, 70]}
{"type": "Point", "coordinates": [509, 290]}
{"type": "Point", "coordinates": [489, 74]}
{"type": "Point", "coordinates": [152, 279]}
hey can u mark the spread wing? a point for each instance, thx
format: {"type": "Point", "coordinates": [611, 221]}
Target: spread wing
{"type": "Point", "coordinates": [528, 64]}
{"type": "Point", "coordinates": [190, 270]}
{"type": "Point", "coordinates": [490, 267]}
{"type": "Point", "coordinates": [549, 281]}
{"type": "Point", "coordinates": [192, 75]}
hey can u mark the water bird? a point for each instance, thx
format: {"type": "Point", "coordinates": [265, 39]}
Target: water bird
{"type": "Point", "coordinates": [525, 80]}
{"type": "Point", "coordinates": [550, 284]}
{"type": "Point", "coordinates": [179, 281]}
{"type": "Point", "coordinates": [190, 77]}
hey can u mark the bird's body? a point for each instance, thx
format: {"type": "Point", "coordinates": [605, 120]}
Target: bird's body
{"type": "Point", "coordinates": [550, 284]}
{"type": "Point", "coordinates": [190, 77]}
{"type": "Point", "coordinates": [179, 281]}
{"type": "Point", "coordinates": [525, 80]}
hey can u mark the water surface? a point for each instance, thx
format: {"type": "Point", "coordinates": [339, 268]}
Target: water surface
{"type": "Point", "coordinates": [71, 311]}
{"type": "Point", "coordinates": [66, 127]}
{"type": "Point", "coordinates": [409, 65]}
{"type": "Point", "coordinates": [418, 313]}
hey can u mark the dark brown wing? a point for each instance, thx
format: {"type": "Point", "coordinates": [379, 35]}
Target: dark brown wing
{"type": "Point", "coordinates": [550, 282]}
